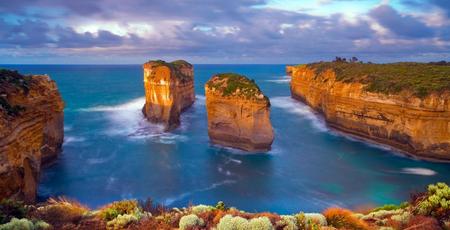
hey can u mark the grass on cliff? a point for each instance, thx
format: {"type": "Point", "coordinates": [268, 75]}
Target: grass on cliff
{"type": "Point", "coordinates": [235, 84]}
{"type": "Point", "coordinates": [420, 78]}
{"type": "Point", "coordinates": [174, 66]}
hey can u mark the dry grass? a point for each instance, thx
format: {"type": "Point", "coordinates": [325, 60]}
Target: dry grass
{"type": "Point", "coordinates": [343, 218]}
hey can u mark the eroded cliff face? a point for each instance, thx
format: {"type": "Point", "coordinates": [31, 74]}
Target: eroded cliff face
{"type": "Point", "coordinates": [237, 118]}
{"type": "Point", "coordinates": [418, 126]}
{"type": "Point", "coordinates": [31, 131]}
{"type": "Point", "coordinates": [289, 69]}
{"type": "Point", "coordinates": [169, 90]}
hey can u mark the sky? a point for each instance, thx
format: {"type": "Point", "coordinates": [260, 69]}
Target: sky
{"type": "Point", "coordinates": [222, 31]}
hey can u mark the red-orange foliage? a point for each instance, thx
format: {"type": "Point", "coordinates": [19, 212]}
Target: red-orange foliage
{"type": "Point", "coordinates": [422, 223]}
{"type": "Point", "coordinates": [343, 218]}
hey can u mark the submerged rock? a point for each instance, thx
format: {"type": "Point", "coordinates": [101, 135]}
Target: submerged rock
{"type": "Point", "coordinates": [238, 113]}
{"type": "Point", "coordinates": [169, 90]}
{"type": "Point", "coordinates": [416, 125]}
{"type": "Point", "coordinates": [31, 131]}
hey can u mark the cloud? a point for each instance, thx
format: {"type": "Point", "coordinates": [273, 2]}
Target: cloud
{"type": "Point", "coordinates": [209, 31]}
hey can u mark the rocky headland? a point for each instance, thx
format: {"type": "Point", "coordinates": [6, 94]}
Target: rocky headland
{"type": "Point", "coordinates": [403, 105]}
{"type": "Point", "coordinates": [31, 131]}
{"type": "Point", "coordinates": [169, 90]}
{"type": "Point", "coordinates": [238, 113]}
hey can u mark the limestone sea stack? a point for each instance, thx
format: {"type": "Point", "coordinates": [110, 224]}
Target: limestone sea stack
{"type": "Point", "coordinates": [238, 113]}
{"type": "Point", "coordinates": [31, 131]}
{"type": "Point", "coordinates": [169, 90]}
{"type": "Point", "coordinates": [403, 105]}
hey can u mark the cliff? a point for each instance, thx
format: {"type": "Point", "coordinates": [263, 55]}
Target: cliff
{"type": "Point", "coordinates": [169, 89]}
{"type": "Point", "coordinates": [403, 105]}
{"type": "Point", "coordinates": [31, 131]}
{"type": "Point", "coordinates": [289, 69]}
{"type": "Point", "coordinates": [238, 113]}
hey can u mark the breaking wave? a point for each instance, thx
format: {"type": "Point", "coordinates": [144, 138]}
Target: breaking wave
{"type": "Point", "coordinates": [290, 105]}
{"type": "Point", "coordinates": [419, 171]}
{"type": "Point", "coordinates": [127, 120]}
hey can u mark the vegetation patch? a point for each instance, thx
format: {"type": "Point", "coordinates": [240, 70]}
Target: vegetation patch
{"type": "Point", "coordinates": [232, 84]}
{"type": "Point", "coordinates": [8, 79]}
{"type": "Point", "coordinates": [175, 67]}
{"type": "Point", "coordinates": [421, 79]}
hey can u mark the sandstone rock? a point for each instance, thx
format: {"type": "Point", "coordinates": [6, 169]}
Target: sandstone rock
{"type": "Point", "coordinates": [238, 113]}
{"type": "Point", "coordinates": [31, 131]}
{"type": "Point", "coordinates": [289, 69]}
{"type": "Point", "coordinates": [169, 90]}
{"type": "Point", "coordinates": [417, 126]}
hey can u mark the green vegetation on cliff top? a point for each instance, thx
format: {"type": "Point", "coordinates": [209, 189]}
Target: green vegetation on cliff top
{"type": "Point", "coordinates": [174, 66]}
{"type": "Point", "coordinates": [420, 78]}
{"type": "Point", "coordinates": [232, 84]}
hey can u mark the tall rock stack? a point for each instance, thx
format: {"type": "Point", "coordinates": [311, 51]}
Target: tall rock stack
{"type": "Point", "coordinates": [31, 131]}
{"type": "Point", "coordinates": [238, 113]}
{"type": "Point", "coordinates": [169, 90]}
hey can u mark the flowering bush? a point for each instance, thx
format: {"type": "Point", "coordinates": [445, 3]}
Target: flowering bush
{"type": "Point", "coordinates": [190, 221]}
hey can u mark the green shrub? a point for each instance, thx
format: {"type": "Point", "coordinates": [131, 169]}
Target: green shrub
{"type": "Point", "coordinates": [260, 223]}
{"type": "Point", "coordinates": [121, 221]}
{"type": "Point", "coordinates": [190, 221]}
{"type": "Point", "coordinates": [229, 222]}
{"type": "Point", "coordinates": [221, 206]}
{"type": "Point", "coordinates": [436, 202]}
{"type": "Point", "coordinates": [24, 224]}
{"type": "Point", "coordinates": [115, 209]}
{"type": "Point", "coordinates": [201, 209]}
{"type": "Point", "coordinates": [234, 84]}
{"type": "Point", "coordinates": [316, 218]}
{"type": "Point", "coordinates": [389, 207]}
{"type": "Point", "coordinates": [10, 209]}
{"type": "Point", "coordinates": [402, 218]}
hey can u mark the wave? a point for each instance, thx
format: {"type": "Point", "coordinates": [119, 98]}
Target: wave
{"type": "Point", "coordinates": [73, 139]}
{"type": "Point", "coordinates": [170, 201]}
{"type": "Point", "coordinates": [419, 171]}
{"type": "Point", "coordinates": [127, 120]}
{"type": "Point", "coordinates": [293, 106]}
{"type": "Point", "coordinates": [279, 81]}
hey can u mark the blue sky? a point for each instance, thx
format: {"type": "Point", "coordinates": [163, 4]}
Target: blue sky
{"type": "Point", "coordinates": [233, 31]}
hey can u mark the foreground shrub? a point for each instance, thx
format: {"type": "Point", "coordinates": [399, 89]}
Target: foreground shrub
{"type": "Point", "coordinates": [435, 203]}
{"type": "Point", "coordinates": [190, 221]}
{"type": "Point", "coordinates": [287, 223]}
{"type": "Point", "coordinates": [390, 207]}
{"type": "Point", "coordinates": [342, 218]}
{"type": "Point", "coordinates": [314, 219]}
{"type": "Point", "coordinates": [121, 221]}
{"type": "Point", "coordinates": [10, 209]}
{"type": "Point", "coordinates": [229, 222]}
{"type": "Point", "coordinates": [61, 210]}
{"type": "Point", "coordinates": [24, 224]}
{"type": "Point", "coordinates": [117, 208]}
{"type": "Point", "coordinates": [260, 223]}
{"type": "Point", "coordinates": [201, 209]}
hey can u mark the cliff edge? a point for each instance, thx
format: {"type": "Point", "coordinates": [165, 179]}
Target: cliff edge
{"type": "Point", "coordinates": [169, 89]}
{"type": "Point", "coordinates": [31, 131]}
{"type": "Point", "coordinates": [238, 113]}
{"type": "Point", "coordinates": [403, 105]}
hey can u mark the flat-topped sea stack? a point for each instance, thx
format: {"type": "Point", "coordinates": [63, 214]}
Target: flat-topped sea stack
{"type": "Point", "coordinates": [169, 90]}
{"type": "Point", "coordinates": [31, 131]}
{"type": "Point", "coordinates": [238, 113]}
{"type": "Point", "coordinates": [403, 105]}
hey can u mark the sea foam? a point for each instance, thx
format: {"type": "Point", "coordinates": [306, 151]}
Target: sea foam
{"type": "Point", "coordinates": [303, 111]}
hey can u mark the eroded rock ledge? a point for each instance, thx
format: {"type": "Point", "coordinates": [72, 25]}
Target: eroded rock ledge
{"type": "Point", "coordinates": [238, 113]}
{"type": "Point", "coordinates": [366, 100]}
{"type": "Point", "coordinates": [31, 131]}
{"type": "Point", "coordinates": [169, 90]}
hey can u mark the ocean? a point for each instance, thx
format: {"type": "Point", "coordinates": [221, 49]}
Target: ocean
{"type": "Point", "coordinates": [111, 152]}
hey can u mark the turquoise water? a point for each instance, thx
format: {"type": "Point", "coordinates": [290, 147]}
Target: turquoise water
{"type": "Point", "coordinates": [111, 153]}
